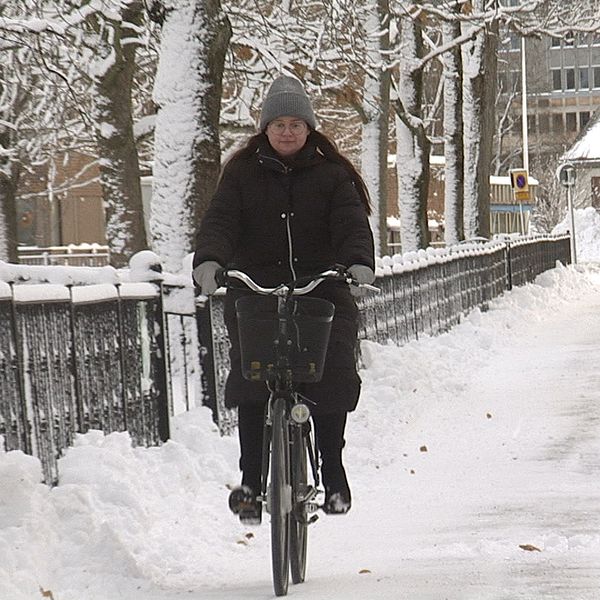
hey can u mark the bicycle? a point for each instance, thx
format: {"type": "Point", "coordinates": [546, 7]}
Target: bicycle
{"type": "Point", "coordinates": [283, 341]}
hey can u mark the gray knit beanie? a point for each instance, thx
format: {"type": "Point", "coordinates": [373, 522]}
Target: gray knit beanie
{"type": "Point", "coordinates": [286, 98]}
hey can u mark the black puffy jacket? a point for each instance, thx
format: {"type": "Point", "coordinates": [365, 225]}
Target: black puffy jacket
{"type": "Point", "coordinates": [277, 221]}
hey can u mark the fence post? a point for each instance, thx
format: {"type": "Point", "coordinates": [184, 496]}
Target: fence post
{"type": "Point", "coordinates": [74, 370]}
{"type": "Point", "coordinates": [162, 386]}
{"type": "Point", "coordinates": [508, 267]}
{"type": "Point", "coordinates": [207, 357]}
{"type": "Point", "coordinates": [27, 445]}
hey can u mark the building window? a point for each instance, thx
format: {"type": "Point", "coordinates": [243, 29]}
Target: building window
{"type": "Point", "coordinates": [571, 121]}
{"type": "Point", "coordinates": [596, 39]}
{"type": "Point", "coordinates": [569, 40]}
{"type": "Point", "coordinates": [584, 117]}
{"type": "Point", "coordinates": [596, 77]}
{"type": "Point", "coordinates": [584, 79]}
{"type": "Point", "coordinates": [555, 42]}
{"type": "Point", "coordinates": [557, 124]}
{"type": "Point", "coordinates": [544, 122]}
{"type": "Point", "coordinates": [570, 78]}
{"type": "Point", "coordinates": [556, 81]}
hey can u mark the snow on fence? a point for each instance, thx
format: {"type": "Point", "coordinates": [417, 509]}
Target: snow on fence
{"type": "Point", "coordinates": [92, 348]}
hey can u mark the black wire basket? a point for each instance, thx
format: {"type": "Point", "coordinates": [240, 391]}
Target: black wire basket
{"type": "Point", "coordinates": [306, 338]}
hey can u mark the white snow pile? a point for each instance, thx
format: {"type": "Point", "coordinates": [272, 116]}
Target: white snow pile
{"type": "Point", "coordinates": [587, 233]}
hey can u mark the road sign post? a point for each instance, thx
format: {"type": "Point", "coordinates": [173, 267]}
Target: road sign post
{"type": "Point", "coordinates": [566, 175]}
{"type": "Point", "coordinates": [519, 180]}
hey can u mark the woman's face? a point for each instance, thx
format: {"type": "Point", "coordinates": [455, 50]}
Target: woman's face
{"type": "Point", "coordinates": [287, 135]}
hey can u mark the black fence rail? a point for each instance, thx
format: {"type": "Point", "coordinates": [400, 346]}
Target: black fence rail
{"type": "Point", "coordinates": [78, 358]}
{"type": "Point", "coordinates": [124, 356]}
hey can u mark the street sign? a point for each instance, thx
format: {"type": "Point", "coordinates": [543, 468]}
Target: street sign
{"type": "Point", "coordinates": [519, 181]}
{"type": "Point", "coordinates": [566, 174]}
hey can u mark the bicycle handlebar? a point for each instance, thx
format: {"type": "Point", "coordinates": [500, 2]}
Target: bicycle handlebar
{"type": "Point", "coordinates": [291, 288]}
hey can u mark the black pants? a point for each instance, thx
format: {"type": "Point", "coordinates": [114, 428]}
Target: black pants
{"type": "Point", "coordinates": [329, 430]}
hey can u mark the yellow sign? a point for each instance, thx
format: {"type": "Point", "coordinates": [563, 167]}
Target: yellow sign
{"type": "Point", "coordinates": [519, 181]}
{"type": "Point", "coordinates": [522, 196]}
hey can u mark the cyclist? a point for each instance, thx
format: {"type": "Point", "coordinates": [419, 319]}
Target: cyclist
{"type": "Point", "coordinates": [288, 204]}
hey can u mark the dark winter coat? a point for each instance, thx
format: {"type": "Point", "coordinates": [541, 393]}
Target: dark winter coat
{"type": "Point", "coordinates": [278, 221]}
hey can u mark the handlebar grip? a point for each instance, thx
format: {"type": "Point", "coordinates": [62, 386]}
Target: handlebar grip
{"type": "Point", "coordinates": [221, 276]}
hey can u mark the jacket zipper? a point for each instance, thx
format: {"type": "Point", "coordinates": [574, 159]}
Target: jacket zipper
{"type": "Point", "coordinates": [286, 171]}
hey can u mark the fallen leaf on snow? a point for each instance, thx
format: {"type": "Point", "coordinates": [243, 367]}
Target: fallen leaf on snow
{"type": "Point", "coordinates": [364, 571]}
{"type": "Point", "coordinates": [529, 548]}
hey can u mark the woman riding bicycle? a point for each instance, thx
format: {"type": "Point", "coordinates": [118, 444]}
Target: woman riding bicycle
{"type": "Point", "coordinates": [289, 205]}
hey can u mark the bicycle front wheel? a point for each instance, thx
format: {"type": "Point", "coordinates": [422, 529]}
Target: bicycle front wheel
{"type": "Point", "coordinates": [280, 498]}
{"type": "Point", "coordinates": [299, 523]}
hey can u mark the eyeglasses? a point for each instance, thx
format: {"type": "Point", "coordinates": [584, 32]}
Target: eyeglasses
{"type": "Point", "coordinates": [295, 127]}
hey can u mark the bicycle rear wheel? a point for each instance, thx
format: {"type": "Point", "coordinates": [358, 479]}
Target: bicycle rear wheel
{"type": "Point", "coordinates": [299, 522]}
{"type": "Point", "coordinates": [280, 498]}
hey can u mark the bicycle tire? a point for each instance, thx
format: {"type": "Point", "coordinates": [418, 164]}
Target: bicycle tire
{"type": "Point", "coordinates": [280, 498]}
{"type": "Point", "coordinates": [298, 521]}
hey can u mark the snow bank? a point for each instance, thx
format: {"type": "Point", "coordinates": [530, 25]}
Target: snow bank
{"type": "Point", "coordinates": [587, 233]}
{"type": "Point", "coordinates": [149, 523]}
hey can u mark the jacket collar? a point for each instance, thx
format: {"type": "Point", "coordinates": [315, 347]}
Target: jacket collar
{"type": "Point", "coordinates": [306, 157]}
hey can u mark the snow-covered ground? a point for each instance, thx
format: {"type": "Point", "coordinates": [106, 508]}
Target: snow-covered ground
{"type": "Point", "coordinates": [474, 459]}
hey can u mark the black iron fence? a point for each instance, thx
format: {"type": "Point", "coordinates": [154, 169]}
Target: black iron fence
{"type": "Point", "coordinates": [124, 356]}
{"type": "Point", "coordinates": [75, 358]}
{"type": "Point", "coordinates": [422, 294]}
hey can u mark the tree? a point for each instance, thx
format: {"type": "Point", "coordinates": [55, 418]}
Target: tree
{"type": "Point", "coordinates": [188, 89]}
{"type": "Point", "coordinates": [116, 37]}
{"type": "Point", "coordinates": [376, 115]}
{"type": "Point", "coordinates": [453, 133]}
{"type": "Point", "coordinates": [412, 143]}
{"type": "Point", "coordinates": [480, 70]}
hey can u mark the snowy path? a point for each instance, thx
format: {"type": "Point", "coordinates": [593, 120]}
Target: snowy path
{"type": "Point", "coordinates": [464, 448]}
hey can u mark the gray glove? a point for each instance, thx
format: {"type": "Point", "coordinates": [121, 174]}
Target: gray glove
{"type": "Point", "coordinates": [361, 274]}
{"type": "Point", "coordinates": [204, 276]}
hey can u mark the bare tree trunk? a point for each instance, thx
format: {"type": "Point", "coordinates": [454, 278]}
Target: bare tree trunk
{"type": "Point", "coordinates": [453, 137]}
{"type": "Point", "coordinates": [375, 132]}
{"type": "Point", "coordinates": [9, 177]}
{"type": "Point", "coordinates": [119, 167]}
{"type": "Point", "coordinates": [480, 58]}
{"type": "Point", "coordinates": [412, 143]}
{"type": "Point", "coordinates": [187, 142]}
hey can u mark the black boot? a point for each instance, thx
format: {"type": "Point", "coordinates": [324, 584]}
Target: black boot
{"type": "Point", "coordinates": [329, 429]}
{"type": "Point", "coordinates": [243, 502]}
